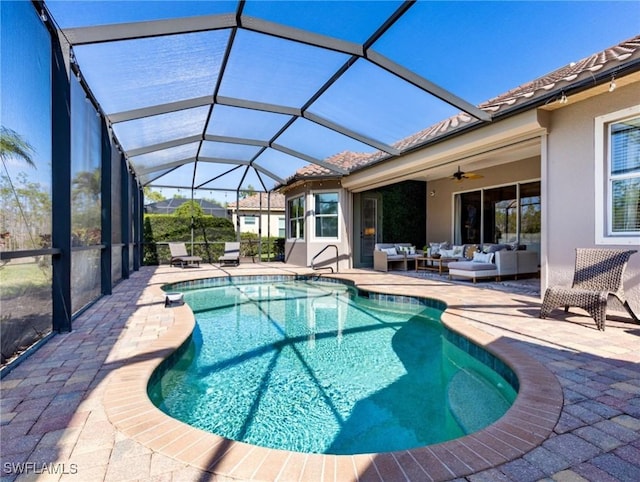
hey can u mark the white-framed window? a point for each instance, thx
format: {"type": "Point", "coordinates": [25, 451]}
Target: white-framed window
{"type": "Point", "coordinates": [282, 226]}
{"type": "Point", "coordinates": [617, 154]}
{"type": "Point", "coordinates": [295, 212]}
{"type": "Point", "coordinates": [326, 209]}
{"type": "Point", "coordinates": [249, 220]}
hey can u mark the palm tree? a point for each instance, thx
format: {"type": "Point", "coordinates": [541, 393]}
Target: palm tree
{"type": "Point", "coordinates": [87, 183]}
{"type": "Point", "coordinates": [13, 145]}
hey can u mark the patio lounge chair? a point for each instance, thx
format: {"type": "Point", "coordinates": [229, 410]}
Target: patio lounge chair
{"type": "Point", "coordinates": [179, 255]}
{"type": "Point", "coordinates": [599, 273]}
{"type": "Point", "coordinates": [231, 254]}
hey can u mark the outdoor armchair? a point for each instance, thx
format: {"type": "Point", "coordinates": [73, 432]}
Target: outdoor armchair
{"type": "Point", "coordinates": [599, 273]}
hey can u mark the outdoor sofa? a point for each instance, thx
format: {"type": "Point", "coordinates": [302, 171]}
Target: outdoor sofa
{"type": "Point", "coordinates": [388, 256]}
{"type": "Point", "coordinates": [495, 264]}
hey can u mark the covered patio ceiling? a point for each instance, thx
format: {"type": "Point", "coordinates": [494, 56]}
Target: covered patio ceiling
{"type": "Point", "coordinates": [231, 98]}
{"type": "Point", "coordinates": [239, 95]}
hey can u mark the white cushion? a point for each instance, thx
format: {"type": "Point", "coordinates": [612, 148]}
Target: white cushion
{"type": "Point", "coordinates": [482, 257]}
{"type": "Point", "coordinates": [390, 251]}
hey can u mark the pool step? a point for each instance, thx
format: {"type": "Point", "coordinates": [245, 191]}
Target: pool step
{"type": "Point", "coordinates": [474, 402]}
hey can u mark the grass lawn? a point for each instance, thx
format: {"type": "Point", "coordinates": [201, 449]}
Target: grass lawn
{"type": "Point", "coordinates": [17, 279]}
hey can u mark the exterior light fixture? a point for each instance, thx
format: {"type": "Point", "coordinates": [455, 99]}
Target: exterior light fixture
{"type": "Point", "coordinates": [563, 98]}
{"type": "Point", "coordinates": [612, 84]}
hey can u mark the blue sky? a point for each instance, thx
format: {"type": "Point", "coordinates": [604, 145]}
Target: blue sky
{"type": "Point", "coordinates": [476, 50]}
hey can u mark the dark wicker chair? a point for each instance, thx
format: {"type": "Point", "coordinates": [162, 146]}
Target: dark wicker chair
{"type": "Point", "coordinates": [599, 273]}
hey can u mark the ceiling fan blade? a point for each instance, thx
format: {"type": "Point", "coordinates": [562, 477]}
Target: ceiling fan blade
{"type": "Point", "coordinates": [473, 175]}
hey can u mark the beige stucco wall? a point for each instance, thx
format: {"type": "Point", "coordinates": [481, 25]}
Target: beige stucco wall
{"type": "Point", "coordinates": [264, 218]}
{"type": "Point", "coordinates": [301, 252]}
{"type": "Point", "coordinates": [569, 201]}
{"type": "Point", "coordinates": [440, 213]}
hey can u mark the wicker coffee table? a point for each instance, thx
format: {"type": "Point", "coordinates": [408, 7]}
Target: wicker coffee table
{"type": "Point", "coordinates": [427, 263]}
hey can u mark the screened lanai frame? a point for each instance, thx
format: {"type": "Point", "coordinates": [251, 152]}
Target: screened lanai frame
{"type": "Point", "coordinates": [131, 146]}
{"type": "Point", "coordinates": [227, 152]}
{"type": "Point", "coordinates": [250, 94]}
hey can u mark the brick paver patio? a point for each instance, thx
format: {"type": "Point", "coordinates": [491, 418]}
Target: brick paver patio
{"type": "Point", "coordinates": [75, 409]}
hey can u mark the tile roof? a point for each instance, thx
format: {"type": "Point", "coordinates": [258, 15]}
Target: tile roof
{"type": "Point", "coordinates": [253, 202]}
{"type": "Point", "coordinates": [564, 77]}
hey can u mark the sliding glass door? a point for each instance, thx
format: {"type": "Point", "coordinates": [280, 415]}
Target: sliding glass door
{"type": "Point", "coordinates": [530, 215]}
{"type": "Point", "coordinates": [500, 215]}
{"type": "Point", "coordinates": [468, 207]}
{"type": "Point", "coordinates": [505, 214]}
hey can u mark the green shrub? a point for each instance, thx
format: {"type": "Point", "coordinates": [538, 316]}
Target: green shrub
{"type": "Point", "coordinates": [209, 235]}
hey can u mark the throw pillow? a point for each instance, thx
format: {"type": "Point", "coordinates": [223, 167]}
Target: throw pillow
{"type": "Point", "coordinates": [446, 253]}
{"type": "Point", "coordinates": [411, 250]}
{"type": "Point", "coordinates": [458, 251]}
{"type": "Point", "coordinates": [436, 247]}
{"type": "Point", "coordinates": [479, 257]}
{"type": "Point", "coordinates": [471, 249]}
{"type": "Point", "coordinates": [390, 251]}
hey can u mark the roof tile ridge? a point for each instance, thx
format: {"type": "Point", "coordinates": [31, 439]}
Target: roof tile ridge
{"type": "Point", "coordinates": [566, 73]}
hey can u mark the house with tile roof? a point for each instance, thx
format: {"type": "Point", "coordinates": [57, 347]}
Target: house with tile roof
{"type": "Point", "coordinates": [259, 213]}
{"type": "Point", "coordinates": [169, 206]}
{"type": "Point", "coordinates": [557, 167]}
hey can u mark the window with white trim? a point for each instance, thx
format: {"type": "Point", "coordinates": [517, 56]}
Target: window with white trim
{"type": "Point", "coordinates": [618, 177]}
{"type": "Point", "coordinates": [249, 220]}
{"type": "Point", "coordinates": [326, 214]}
{"type": "Point", "coordinates": [295, 212]}
{"type": "Point", "coordinates": [282, 226]}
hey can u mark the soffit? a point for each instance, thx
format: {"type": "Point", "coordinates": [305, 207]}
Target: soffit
{"type": "Point", "coordinates": [517, 137]}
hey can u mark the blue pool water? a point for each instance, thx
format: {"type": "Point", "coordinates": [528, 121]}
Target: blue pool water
{"type": "Point", "coordinates": [313, 367]}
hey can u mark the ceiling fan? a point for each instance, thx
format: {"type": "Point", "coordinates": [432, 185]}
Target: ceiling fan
{"type": "Point", "coordinates": [460, 175]}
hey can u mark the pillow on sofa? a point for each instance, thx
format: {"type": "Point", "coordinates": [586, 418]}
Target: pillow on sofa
{"type": "Point", "coordinates": [407, 249]}
{"type": "Point", "coordinates": [389, 251]}
{"type": "Point", "coordinates": [479, 257]}
{"type": "Point", "coordinates": [458, 251]}
{"type": "Point", "coordinates": [470, 250]}
{"type": "Point", "coordinates": [492, 248]}
{"type": "Point", "coordinates": [436, 247]}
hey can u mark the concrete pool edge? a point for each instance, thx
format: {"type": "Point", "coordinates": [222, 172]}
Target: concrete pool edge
{"type": "Point", "coordinates": [526, 425]}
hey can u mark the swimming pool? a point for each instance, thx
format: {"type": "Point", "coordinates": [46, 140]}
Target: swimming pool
{"type": "Point", "coordinates": [316, 367]}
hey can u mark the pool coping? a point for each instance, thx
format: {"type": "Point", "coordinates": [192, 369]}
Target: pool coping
{"type": "Point", "coordinates": [526, 425]}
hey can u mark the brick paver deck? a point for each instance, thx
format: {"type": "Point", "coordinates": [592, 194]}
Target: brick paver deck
{"type": "Point", "coordinates": [77, 408]}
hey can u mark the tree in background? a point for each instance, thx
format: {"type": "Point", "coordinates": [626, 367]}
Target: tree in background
{"type": "Point", "coordinates": [152, 196]}
{"type": "Point", "coordinates": [12, 145]}
{"type": "Point", "coordinates": [250, 191]}
{"type": "Point", "coordinates": [26, 207]}
{"type": "Point", "coordinates": [189, 209]}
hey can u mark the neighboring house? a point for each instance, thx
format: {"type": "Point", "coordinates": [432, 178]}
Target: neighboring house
{"type": "Point", "coordinates": [260, 213]}
{"type": "Point", "coordinates": [560, 167]}
{"type": "Point", "coordinates": [168, 206]}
